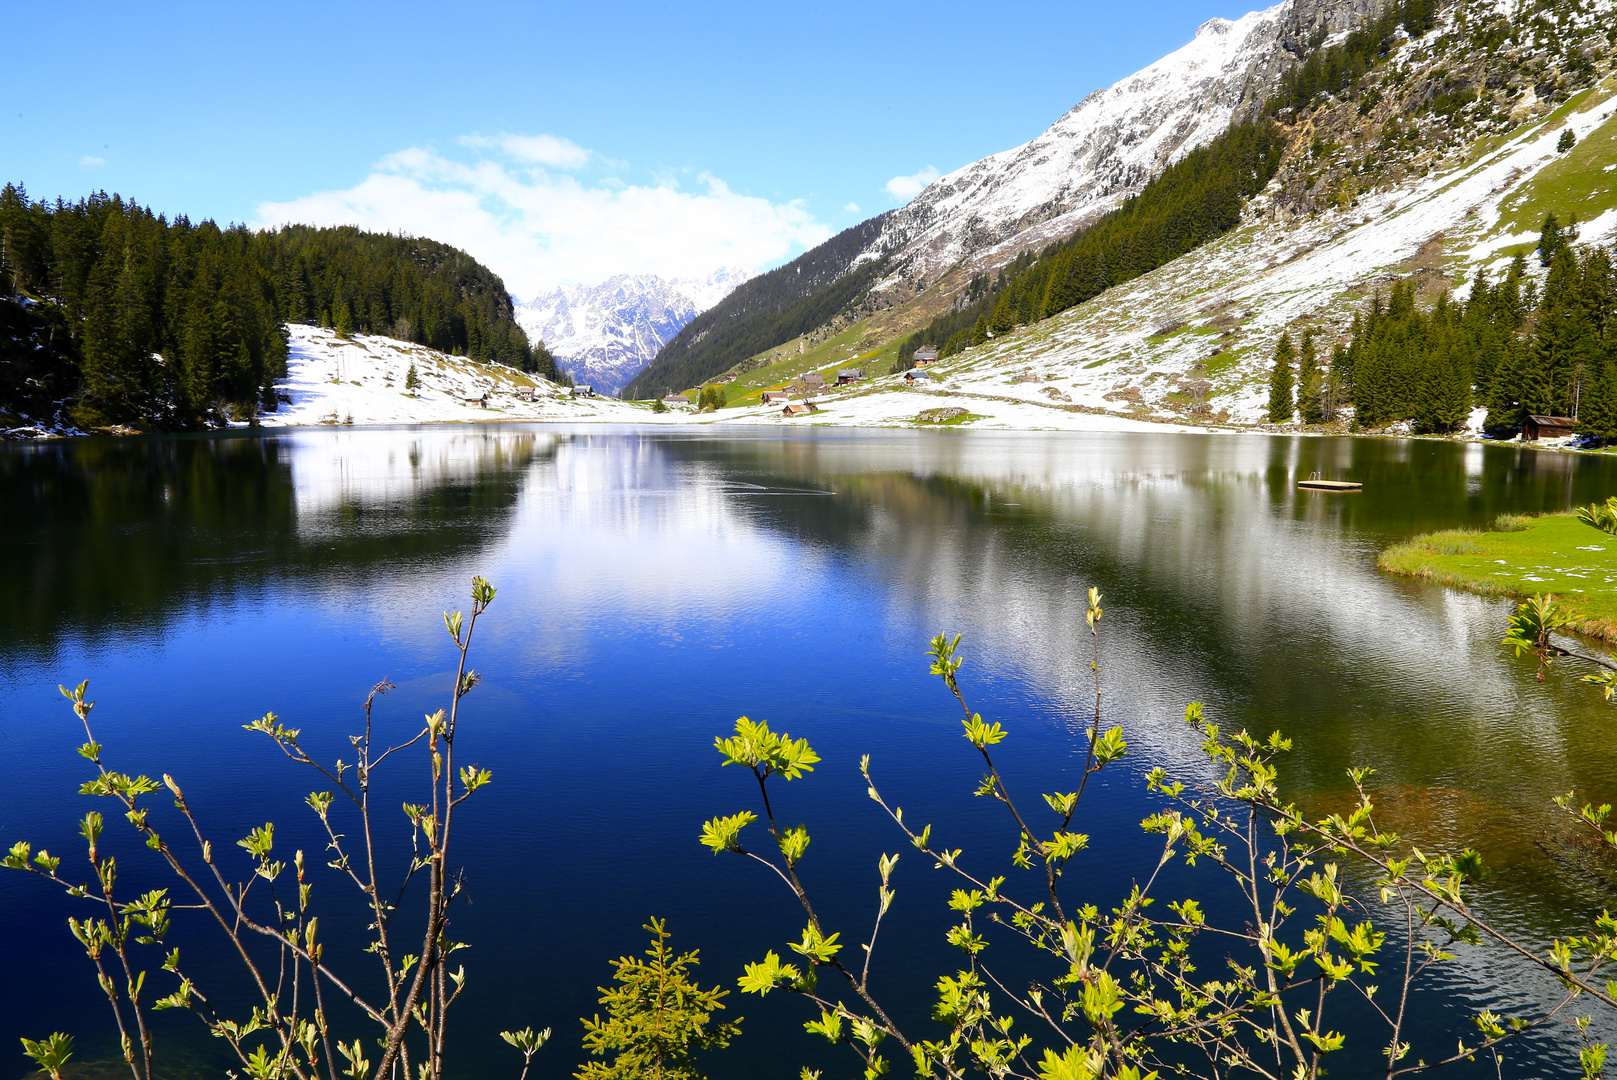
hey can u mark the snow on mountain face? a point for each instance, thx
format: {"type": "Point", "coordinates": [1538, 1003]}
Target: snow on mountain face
{"type": "Point", "coordinates": [605, 334]}
{"type": "Point", "coordinates": [1112, 143]}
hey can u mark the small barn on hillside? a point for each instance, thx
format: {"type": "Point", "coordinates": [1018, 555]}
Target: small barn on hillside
{"type": "Point", "coordinates": [775, 397]}
{"type": "Point", "coordinates": [798, 410]}
{"type": "Point", "coordinates": [583, 390]}
{"type": "Point", "coordinates": [849, 375]}
{"type": "Point", "coordinates": [925, 355]}
{"type": "Point", "coordinates": [814, 381]}
{"type": "Point", "coordinates": [1535, 428]}
{"type": "Point", "coordinates": [913, 377]}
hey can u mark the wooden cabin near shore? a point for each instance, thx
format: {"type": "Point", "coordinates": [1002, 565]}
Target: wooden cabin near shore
{"type": "Point", "coordinates": [1535, 428]}
{"type": "Point", "coordinates": [775, 397]}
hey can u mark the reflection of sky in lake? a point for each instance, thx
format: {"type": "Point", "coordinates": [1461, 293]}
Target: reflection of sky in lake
{"type": "Point", "coordinates": [655, 586]}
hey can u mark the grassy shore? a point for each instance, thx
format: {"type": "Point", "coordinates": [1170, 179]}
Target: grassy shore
{"type": "Point", "coordinates": [1521, 556]}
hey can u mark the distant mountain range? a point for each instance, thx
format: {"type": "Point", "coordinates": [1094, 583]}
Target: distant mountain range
{"type": "Point", "coordinates": [605, 334]}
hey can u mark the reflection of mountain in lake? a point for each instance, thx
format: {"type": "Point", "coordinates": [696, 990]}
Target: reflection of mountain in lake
{"type": "Point", "coordinates": [656, 585]}
{"type": "Point", "coordinates": [1223, 584]}
{"type": "Point", "coordinates": [110, 536]}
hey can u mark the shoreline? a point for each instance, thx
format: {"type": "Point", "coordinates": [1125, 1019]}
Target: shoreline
{"type": "Point", "coordinates": [1552, 554]}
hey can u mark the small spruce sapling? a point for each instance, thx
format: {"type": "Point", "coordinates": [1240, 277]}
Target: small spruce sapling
{"type": "Point", "coordinates": [412, 379]}
{"type": "Point", "coordinates": [657, 1018]}
{"type": "Point", "coordinates": [1566, 142]}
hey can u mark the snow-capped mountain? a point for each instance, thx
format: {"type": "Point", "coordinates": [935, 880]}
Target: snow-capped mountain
{"type": "Point", "coordinates": [1108, 146]}
{"type": "Point", "coordinates": [605, 334]}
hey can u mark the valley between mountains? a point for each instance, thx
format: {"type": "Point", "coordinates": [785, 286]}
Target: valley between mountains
{"type": "Point", "coordinates": [1442, 160]}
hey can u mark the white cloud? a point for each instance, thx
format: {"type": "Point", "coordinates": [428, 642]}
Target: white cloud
{"type": "Point", "coordinates": [558, 153]}
{"type": "Point", "coordinates": [907, 187]}
{"type": "Point", "coordinates": [851, 208]}
{"type": "Point", "coordinates": [92, 162]}
{"type": "Point", "coordinates": [538, 229]}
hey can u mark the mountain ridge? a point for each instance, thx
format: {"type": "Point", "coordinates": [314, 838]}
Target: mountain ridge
{"type": "Point", "coordinates": [603, 335]}
{"type": "Point", "coordinates": [1103, 150]}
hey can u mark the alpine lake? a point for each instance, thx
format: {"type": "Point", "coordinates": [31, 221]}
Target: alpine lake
{"type": "Point", "coordinates": [656, 585]}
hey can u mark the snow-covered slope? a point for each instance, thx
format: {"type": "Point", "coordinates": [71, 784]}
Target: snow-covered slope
{"type": "Point", "coordinates": [361, 380]}
{"type": "Point", "coordinates": [605, 334]}
{"type": "Point", "coordinates": [1205, 325]}
{"type": "Point", "coordinates": [1112, 143]}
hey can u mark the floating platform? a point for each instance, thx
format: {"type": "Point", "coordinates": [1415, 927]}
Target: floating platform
{"type": "Point", "coordinates": [1330, 485]}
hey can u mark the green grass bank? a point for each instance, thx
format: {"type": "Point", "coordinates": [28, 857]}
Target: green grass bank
{"type": "Point", "coordinates": [1555, 553]}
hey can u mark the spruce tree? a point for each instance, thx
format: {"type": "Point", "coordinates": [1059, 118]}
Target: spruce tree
{"type": "Point", "coordinates": [1597, 415]}
{"type": "Point", "coordinates": [1336, 388]}
{"type": "Point", "coordinates": [1504, 398]}
{"type": "Point", "coordinates": [345, 321]}
{"type": "Point", "coordinates": [657, 1018]}
{"type": "Point", "coordinates": [412, 379]}
{"type": "Point", "coordinates": [1443, 402]}
{"type": "Point", "coordinates": [1280, 382]}
{"type": "Point", "coordinates": [1310, 383]}
{"type": "Point", "coordinates": [1550, 240]}
{"type": "Point", "coordinates": [1566, 142]}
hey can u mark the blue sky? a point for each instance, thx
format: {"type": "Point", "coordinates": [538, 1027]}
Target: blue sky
{"type": "Point", "coordinates": [557, 142]}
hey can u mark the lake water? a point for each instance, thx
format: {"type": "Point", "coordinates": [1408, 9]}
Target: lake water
{"type": "Point", "coordinates": [656, 585]}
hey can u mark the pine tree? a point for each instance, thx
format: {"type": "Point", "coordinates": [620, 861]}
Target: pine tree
{"type": "Point", "coordinates": [344, 320]}
{"type": "Point", "coordinates": [656, 1019]}
{"type": "Point", "coordinates": [412, 379]}
{"type": "Point", "coordinates": [1337, 391]}
{"type": "Point", "coordinates": [1506, 410]}
{"type": "Point", "coordinates": [1550, 240]}
{"type": "Point", "coordinates": [1310, 383]}
{"type": "Point", "coordinates": [1280, 382]}
{"type": "Point", "coordinates": [1566, 142]}
{"type": "Point", "coordinates": [1443, 401]}
{"type": "Point", "coordinates": [1598, 413]}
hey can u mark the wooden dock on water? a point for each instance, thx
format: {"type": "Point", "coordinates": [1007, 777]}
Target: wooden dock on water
{"type": "Point", "coordinates": [1312, 484]}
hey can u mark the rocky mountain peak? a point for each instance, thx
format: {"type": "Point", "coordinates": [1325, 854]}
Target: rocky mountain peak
{"type": "Point", "coordinates": [605, 334]}
{"type": "Point", "coordinates": [1107, 147]}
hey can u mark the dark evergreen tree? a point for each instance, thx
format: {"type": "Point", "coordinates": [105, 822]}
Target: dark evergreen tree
{"type": "Point", "coordinates": [1310, 383]}
{"type": "Point", "coordinates": [1550, 240]}
{"type": "Point", "coordinates": [1280, 381]}
{"type": "Point", "coordinates": [1442, 400]}
{"type": "Point", "coordinates": [1337, 388]}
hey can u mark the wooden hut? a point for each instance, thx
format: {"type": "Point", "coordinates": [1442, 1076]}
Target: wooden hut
{"type": "Point", "coordinates": [1535, 428]}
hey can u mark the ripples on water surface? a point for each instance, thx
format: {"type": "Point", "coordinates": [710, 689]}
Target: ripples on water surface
{"type": "Point", "coordinates": [654, 586]}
